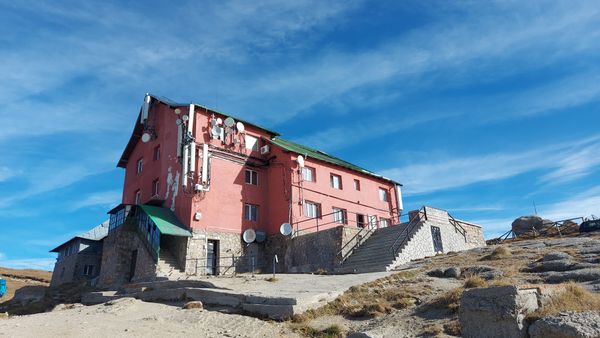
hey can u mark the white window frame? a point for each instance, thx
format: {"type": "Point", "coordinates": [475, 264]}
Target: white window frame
{"type": "Point", "coordinates": [336, 181]}
{"type": "Point", "coordinates": [372, 222]}
{"type": "Point", "coordinates": [384, 222]}
{"type": "Point", "coordinates": [340, 215]}
{"type": "Point", "coordinates": [356, 184]}
{"type": "Point", "coordinates": [140, 165]}
{"type": "Point", "coordinates": [138, 197]}
{"type": "Point", "coordinates": [155, 187]}
{"type": "Point", "coordinates": [383, 195]}
{"type": "Point", "coordinates": [156, 153]}
{"type": "Point", "coordinates": [312, 209]}
{"type": "Point", "coordinates": [251, 212]}
{"type": "Point", "coordinates": [309, 174]}
{"type": "Point", "coordinates": [253, 175]}
{"type": "Point", "coordinates": [88, 270]}
{"type": "Point", "coordinates": [251, 142]}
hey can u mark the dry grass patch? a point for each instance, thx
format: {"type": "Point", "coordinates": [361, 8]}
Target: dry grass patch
{"type": "Point", "coordinates": [332, 331]}
{"type": "Point", "coordinates": [433, 330]}
{"type": "Point", "coordinates": [475, 282]}
{"type": "Point", "coordinates": [575, 298]}
{"type": "Point", "coordinates": [449, 301]}
{"type": "Point", "coordinates": [500, 252]}
{"type": "Point", "coordinates": [452, 328]}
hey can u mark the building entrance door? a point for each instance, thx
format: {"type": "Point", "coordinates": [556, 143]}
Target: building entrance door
{"type": "Point", "coordinates": [436, 234]}
{"type": "Point", "coordinates": [372, 222]}
{"type": "Point", "coordinates": [212, 250]}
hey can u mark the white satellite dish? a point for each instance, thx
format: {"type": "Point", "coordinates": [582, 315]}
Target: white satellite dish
{"type": "Point", "coordinates": [249, 236]}
{"type": "Point", "coordinates": [300, 161]}
{"type": "Point", "coordinates": [219, 121]}
{"type": "Point", "coordinates": [177, 111]}
{"type": "Point", "coordinates": [146, 137]}
{"type": "Point", "coordinates": [229, 122]}
{"type": "Point", "coordinates": [215, 131]}
{"type": "Point", "coordinates": [185, 117]}
{"type": "Point", "coordinates": [286, 229]}
{"type": "Point", "coordinates": [240, 127]}
{"type": "Point", "coordinates": [178, 122]}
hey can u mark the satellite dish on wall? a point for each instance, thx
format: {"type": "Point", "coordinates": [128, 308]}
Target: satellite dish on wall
{"type": "Point", "coordinates": [146, 137]}
{"type": "Point", "coordinates": [286, 229]}
{"type": "Point", "coordinates": [229, 122]}
{"type": "Point", "coordinates": [177, 111]}
{"type": "Point", "coordinates": [178, 122]}
{"type": "Point", "coordinates": [249, 236]}
{"type": "Point", "coordinates": [300, 161]}
{"type": "Point", "coordinates": [240, 127]}
{"type": "Point", "coordinates": [185, 117]}
{"type": "Point", "coordinates": [261, 236]}
{"type": "Point", "coordinates": [215, 131]}
{"type": "Point", "coordinates": [219, 121]}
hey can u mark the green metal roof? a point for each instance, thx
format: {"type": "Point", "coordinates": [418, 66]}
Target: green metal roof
{"type": "Point", "coordinates": [319, 155]}
{"type": "Point", "coordinates": [166, 221]}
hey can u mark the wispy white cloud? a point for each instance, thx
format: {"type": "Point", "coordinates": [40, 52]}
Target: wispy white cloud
{"type": "Point", "coordinates": [584, 204]}
{"type": "Point", "coordinates": [105, 199]}
{"type": "Point", "coordinates": [455, 172]}
{"type": "Point", "coordinates": [6, 173]}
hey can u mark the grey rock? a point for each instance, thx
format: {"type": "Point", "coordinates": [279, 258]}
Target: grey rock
{"type": "Point", "coordinates": [525, 224]}
{"type": "Point", "coordinates": [496, 311]}
{"type": "Point", "coordinates": [483, 271]}
{"type": "Point", "coordinates": [556, 256]}
{"type": "Point", "coordinates": [452, 272]}
{"type": "Point", "coordinates": [559, 265]}
{"type": "Point", "coordinates": [530, 244]}
{"type": "Point", "coordinates": [582, 275]}
{"type": "Point", "coordinates": [436, 273]}
{"type": "Point", "coordinates": [567, 325]}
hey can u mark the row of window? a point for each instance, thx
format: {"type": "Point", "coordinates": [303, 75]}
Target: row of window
{"type": "Point", "coordinates": [155, 191]}
{"type": "Point", "coordinates": [309, 175]}
{"type": "Point", "coordinates": [313, 210]}
{"type": "Point", "coordinates": [155, 157]}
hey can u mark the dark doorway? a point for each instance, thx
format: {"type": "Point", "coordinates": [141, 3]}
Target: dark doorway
{"type": "Point", "coordinates": [437, 239]}
{"type": "Point", "coordinates": [360, 220]}
{"type": "Point", "coordinates": [212, 257]}
{"type": "Point", "coordinates": [134, 254]}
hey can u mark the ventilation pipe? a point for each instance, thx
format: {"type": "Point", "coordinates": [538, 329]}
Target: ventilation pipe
{"type": "Point", "coordinates": [204, 164]}
{"type": "Point", "coordinates": [399, 201]}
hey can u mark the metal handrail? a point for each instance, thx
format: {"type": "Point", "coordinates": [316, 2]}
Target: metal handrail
{"type": "Point", "coordinates": [457, 225]}
{"type": "Point", "coordinates": [358, 243]}
{"type": "Point", "coordinates": [422, 213]}
{"type": "Point", "coordinates": [321, 217]}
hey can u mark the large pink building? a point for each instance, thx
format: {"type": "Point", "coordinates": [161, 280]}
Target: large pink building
{"type": "Point", "coordinates": [197, 179]}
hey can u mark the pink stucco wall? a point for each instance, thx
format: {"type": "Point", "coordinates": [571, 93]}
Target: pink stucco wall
{"type": "Point", "coordinates": [222, 208]}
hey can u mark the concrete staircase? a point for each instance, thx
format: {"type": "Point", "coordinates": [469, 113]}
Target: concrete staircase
{"type": "Point", "coordinates": [168, 266]}
{"type": "Point", "coordinates": [374, 254]}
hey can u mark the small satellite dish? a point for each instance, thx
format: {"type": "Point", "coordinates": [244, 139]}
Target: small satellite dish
{"type": "Point", "coordinates": [249, 236]}
{"type": "Point", "coordinates": [240, 127]}
{"type": "Point", "coordinates": [286, 229]}
{"type": "Point", "coordinates": [229, 122]}
{"type": "Point", "coordinates": [146, 137]}
{"type": "Point", "coordinates": [261, 236]}
{"type": "Point", "coordinates": [178, 122]}
{"type": "Point", "coordinates": [300, 161]}
{"type": "Point", "coordinates": [185, 117]}
{"type": "Point", "coordinates": [215, 131]}
{"type": "Point", "coordinates": [213, 122]}
{"type": "Point", "coordinates": [219, 121]}
{"type": "Point", "coordinates": [177, 111]}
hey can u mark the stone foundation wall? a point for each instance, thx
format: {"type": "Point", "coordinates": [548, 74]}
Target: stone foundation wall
{"type": "Point", "coordinates": [177, 246]}
{"type": "Point", "coordinates": [233, 254]}
{"type": "Point", "coordinates": [117, 256]}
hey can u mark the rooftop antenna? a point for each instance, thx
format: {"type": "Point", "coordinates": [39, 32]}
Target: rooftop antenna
{"type": "Point", "coordinates": [535, 208]}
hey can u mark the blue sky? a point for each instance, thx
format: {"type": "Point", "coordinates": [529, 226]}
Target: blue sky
{"type": "Point", "coordinates": [477, 107]}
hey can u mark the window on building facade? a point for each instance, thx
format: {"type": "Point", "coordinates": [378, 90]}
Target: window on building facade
{"type": "Point", "coordinates": [356, 185]}
{"type": "Point", "coordinates": [384, 222]}
{"type": "Point", "coordinates": [251, 212]}
{"type": "Point", "coordinates": [155, 187]}
{"type": "Point", "coordinates": [383, 195]}
{"type": "Point", "coordinates": [251, 177]}
{"type": "Point", "coordinates": [156, 156]}
{"type": "Point", "coordinates": [340, 215]}
{"type": "Point", "coordinates": [308, 174]}
{"type": "Point", "coordinates": [312, 209]}
{"type": "Point", "coordinates": [360, 220]}
{"type": "Point", "coordinates": [372, 222]}
{"type": "Point", "coordinates": [251, 143]}
{"type": "Point", "coordinates": [138, 197]}
{"type": "Point", "coordinates": [336, 181]}
{"type": "Point", "coordinates": [140, 165]}
{"type": "Point", "coordinates": [88, 270]}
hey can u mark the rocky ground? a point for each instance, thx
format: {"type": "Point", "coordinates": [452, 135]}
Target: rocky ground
{"type": "Point", "coordinates": [421, 299]}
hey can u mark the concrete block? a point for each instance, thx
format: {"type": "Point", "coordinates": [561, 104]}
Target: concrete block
{"type": "Point", "coordinates": [275, 312]}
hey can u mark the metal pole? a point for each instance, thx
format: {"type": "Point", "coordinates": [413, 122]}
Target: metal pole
{"type": "Point", "coordinates": [252, 266]}
{"type": "Point", "coordinates": [274, 257]}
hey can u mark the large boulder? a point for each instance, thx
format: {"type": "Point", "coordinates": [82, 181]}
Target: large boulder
{"type": "Point", "coordinates": [567, 325]}
{"type": "Point", "coordinates": [496, 312]}
{"type": "Point", "coordinates": [526, 224]}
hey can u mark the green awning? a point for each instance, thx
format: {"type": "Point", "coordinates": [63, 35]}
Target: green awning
{"type": "Point", "coordinates": [166, 221]}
